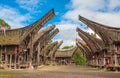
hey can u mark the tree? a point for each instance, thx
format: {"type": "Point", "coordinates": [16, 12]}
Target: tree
{"type": "Point", "coordinates": [2, 22]}
{"type": "Point", "coordinates": [79, 58]}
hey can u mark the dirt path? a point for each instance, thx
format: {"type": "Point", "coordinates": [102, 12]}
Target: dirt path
{"type": "Point", "coordinates": [59, 72]}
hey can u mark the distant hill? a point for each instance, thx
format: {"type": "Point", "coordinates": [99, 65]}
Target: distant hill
{"type": "Point", "coordinates": [7, 26]}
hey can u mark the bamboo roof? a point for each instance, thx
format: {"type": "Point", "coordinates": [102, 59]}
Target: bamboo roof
{"type": "Point", "coordinates": [65, 52]}
{"type": "Point", "coordinates": [16, 36]}
{"type": "Point", "coordinates": [108, 34]}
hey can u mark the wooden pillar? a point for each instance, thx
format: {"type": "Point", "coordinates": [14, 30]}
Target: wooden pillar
{"type": "Point", "coordinates": [116, 59]}
{"type": "Point", "coordinates": [6, 57]}
{"type": "Point", "coordinates": [96, 59]}
{"type": "Point", "coordinates": [52, 57]}
{"type": "Point", "coordinates": [115, 56]}
{"type": "Point", "coordinates": [15, 58]}
{"type": "Point", "coordinates": [38, 54]}
{"type": "Point", "coordinates": [18, 63]}
{"type": "Point", "coordinates": [10, 61]}
{"type": "Point", "coordinates": [104, 58]}
{"type": "Point", "coordinates": [15, 62]}
{"type": "Point", "coordinates": [31, 51]}
{"type": "Point", "coordinates": [0, 53]}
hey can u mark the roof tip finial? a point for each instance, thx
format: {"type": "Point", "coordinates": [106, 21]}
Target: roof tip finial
{"type": "Point", "coordinates": [80, 17]}
{"type": "Point", "coordinates": [52, 9]}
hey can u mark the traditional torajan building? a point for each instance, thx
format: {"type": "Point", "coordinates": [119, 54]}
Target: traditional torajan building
{"type": "Point", "coordinates": [96, 47]}
{"type": "Point", "coordinates": [64, 56]}
{"type": "Point", "coordinates": [18, 47]}
{"type": "Point", "coordinates": [110, 37]}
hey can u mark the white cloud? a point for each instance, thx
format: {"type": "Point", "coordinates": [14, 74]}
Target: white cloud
{"type": "Point", "coordinates": [67, 33]}
{"type": "Point", "coordinates": [114, 3]}
{"type": "Point", "coordinates": [90, 4]}
{"type": "Point", "coordinates": [13, 17]}
{"type": "Point", "coordinates": [66, 42]}
{"type": "Point", "coordinates": [93, 9]}
{"type": "Point", "coordinates": [29, 5]}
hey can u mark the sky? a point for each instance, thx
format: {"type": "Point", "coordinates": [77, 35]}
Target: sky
{"type": "Point", "coordinates": [20, 13]}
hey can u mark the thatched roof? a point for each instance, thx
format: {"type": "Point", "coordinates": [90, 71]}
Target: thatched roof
{"type": "Point", "coordinates": [16, 36]}
{"type": "Point", "coordinates": [12, 36]}
{"type": "Point", "coordinates": [108, 34]}
{"type": "Point", "coordinates": [65, 52]}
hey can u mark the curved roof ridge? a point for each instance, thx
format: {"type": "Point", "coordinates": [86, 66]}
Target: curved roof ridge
{"type": "Point", "coordinates": [102, 25]}
{"type": "Point", "coordinates": [108, 35]}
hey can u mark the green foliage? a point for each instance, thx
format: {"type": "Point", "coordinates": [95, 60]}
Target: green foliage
{"type": "Point", "coordinates": [67, 47]}
{"type": "Point", "coordinates": [7, 26]}
{"type": "Point", "coordinates": [79, 58]}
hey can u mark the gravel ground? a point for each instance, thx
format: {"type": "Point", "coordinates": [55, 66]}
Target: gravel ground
{"type": "Point", "coordinates": [59, 72]}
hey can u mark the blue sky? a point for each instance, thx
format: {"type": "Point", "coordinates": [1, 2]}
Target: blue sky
{"type": "Point", "coordinates": [35, 8]}
{"type": "Point", "coordinates": [20, 13]}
